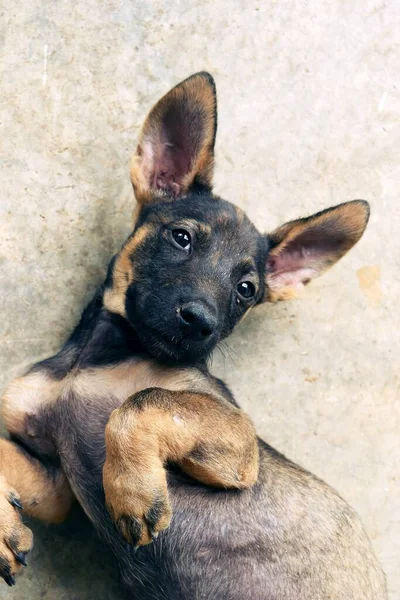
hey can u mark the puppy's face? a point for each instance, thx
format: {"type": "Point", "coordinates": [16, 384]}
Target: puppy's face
{"type": "Point", "coordinates": [195, 264]}
{"type": "Point", "coordinates": [197, 269]}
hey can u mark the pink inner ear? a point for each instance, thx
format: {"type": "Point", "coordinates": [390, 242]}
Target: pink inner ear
{"type": "Point", "coordinates": [296, 265]}
{"type": "Point", "coordinates": [293, 268]}
{"type": "Point", "coordinates": [170, 166]}
{"type": "Point", "coordinates": [290, 261]}
{"type": "Point", "coordinates": [172, 151]}
{"type": "Point", "coordinates": [309, 252]}
{"type": "Point", "coordinates": [295, 280]}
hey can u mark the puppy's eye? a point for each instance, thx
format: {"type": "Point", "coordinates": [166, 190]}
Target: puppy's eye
{"type": "Point", "coordinates": [182, 238]}
{"type": "Point", "coordinates": [246, 289]}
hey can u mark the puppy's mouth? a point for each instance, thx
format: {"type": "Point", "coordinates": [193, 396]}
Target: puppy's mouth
{"type": "Point", "coordinates": [174, 347]}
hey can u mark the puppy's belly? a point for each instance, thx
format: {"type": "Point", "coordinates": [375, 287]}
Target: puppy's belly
{"type": "Point", "coordinates": [221, 544]}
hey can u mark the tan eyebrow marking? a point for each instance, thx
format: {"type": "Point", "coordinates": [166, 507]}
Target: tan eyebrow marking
{"type": "Point", "coordinates": [199, 227]}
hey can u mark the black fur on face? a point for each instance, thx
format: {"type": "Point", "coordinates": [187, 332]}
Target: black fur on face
{"type": "Point", "coordinates": [198, 267]}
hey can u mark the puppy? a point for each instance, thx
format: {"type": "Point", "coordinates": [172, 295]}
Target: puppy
{"type": "Point", "coordinates": [127, 419]}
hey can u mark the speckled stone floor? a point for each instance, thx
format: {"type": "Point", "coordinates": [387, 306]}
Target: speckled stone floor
{"type": "Point", "coordinates": [309, 117]}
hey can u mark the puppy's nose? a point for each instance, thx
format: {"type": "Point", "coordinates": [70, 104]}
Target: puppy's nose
{"type": "Point", "coordinates": [197, 320]}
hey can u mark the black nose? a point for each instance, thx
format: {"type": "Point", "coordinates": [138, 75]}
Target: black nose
{"type": "Point", "coordinates": [197, 320]}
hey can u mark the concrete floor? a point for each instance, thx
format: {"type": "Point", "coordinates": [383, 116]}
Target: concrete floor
{"type": "Point", "coordinates": [309, 117]}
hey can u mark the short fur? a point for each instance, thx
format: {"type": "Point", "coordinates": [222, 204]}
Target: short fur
{"type": "Point", "coordinates": [130, 391]}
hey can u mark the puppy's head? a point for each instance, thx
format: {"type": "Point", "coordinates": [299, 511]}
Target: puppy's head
{"type": "Point", "coordinates": [195, 264]}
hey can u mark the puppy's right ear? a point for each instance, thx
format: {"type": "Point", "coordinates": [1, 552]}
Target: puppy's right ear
{"type": "Point", "coordinates": [175, 154]}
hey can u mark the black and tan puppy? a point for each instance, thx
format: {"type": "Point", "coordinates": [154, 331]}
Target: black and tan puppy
{"type": "Point", "coordinates": [127, 419]}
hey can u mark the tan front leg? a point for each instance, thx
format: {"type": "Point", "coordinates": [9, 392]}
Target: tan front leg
{"type": "Point", "coordinates": [26, 484]}
{"type": "Point", "coordinates": [211, 440]}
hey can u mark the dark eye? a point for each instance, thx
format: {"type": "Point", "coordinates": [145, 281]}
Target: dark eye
{"type": "Point", "coordinates": [246, 289]}
{"type": "Point", "coordinates": [182, 238]}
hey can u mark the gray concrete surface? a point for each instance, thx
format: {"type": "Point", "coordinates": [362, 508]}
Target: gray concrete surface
{"type": "Point", "coordinates": [309, 117]}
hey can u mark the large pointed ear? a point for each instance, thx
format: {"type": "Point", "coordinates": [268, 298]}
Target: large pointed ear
{"type": "Point", "coordinates": [175, 154]}
{"type": "Point", "coordinates": [302, 250]}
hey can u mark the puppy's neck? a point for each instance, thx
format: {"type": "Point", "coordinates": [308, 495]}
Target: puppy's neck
{"type": "Point", "coordinates": [101, 338]}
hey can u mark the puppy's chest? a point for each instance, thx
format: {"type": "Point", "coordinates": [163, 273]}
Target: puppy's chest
{"type": "Point", "coordinates": [30, 400]}
{"type": "Point", "coordinates": [123, 380]}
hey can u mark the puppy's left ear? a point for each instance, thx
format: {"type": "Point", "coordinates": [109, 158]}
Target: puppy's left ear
{"type": "Point", "coordinates": [304, 249]}
{"type": "Point", "coordinates": [175, 154]}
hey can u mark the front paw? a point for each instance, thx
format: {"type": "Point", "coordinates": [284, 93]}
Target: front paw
{"type": "Point", "coordinates": [16, 540]}
{"type": "Point", "coordinates": [137, 500]}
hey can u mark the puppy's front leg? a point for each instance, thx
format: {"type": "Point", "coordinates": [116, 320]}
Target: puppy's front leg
{"type": "Point", "coordinates": [209, 439]}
